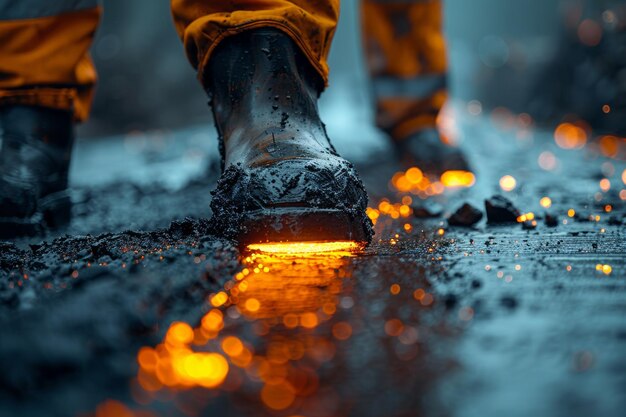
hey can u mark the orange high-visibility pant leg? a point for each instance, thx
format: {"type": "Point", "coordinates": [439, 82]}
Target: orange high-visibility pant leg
{"type": "Point", "coordinates": [406, 58]}
{"type": "Point", "coordinates": [44, 59]}
{"type": "Point", "coordinates": [202, 24]}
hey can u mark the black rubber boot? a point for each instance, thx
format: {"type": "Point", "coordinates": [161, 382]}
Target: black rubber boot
{"type": "Point", "coordinates": [426, 151]}
{"type": "Point", "coordinates": [36, 145]}
{"type": "Point", "coordinates": [282, 179]}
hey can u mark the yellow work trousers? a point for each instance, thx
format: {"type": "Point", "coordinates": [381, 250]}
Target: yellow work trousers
{"type": "Point", "coordinates": [44, 58]}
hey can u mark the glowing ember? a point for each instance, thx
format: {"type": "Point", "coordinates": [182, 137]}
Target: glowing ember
{"type": "Point", "coordinates": [547, 161]}
{"type": "Point", "coordinates": [252, 305]}
{"type": "Point", "coordinates": [395, 211]}
{"type": "Point", "coordinates": [219, 299]}
{"type": "Point", "coordinates": [373, 214]}
{"type": "Point", "coordinates": [415, 182]}
{"type": "Point", "coordinates": [458, 179]}
{"type": "Point", "coordinates": [605, 269]}
{"type": "Point", "coordinates": [414, 175]}
{"type": "Point", "coordinates": [232, 346]}
{"type": "Point", "coordinates": [545, 202]}
{"type": "Point", "coordinates": [296, 248]}
{"type": "Point", "coordinates": [394, 327]}
{"type": "Point", "coordinates": [605, 185]}
{"type": "Point", "coordinates": [526, 217]}
{"type": "Point", "coordinates": [590, 32]}
{"type": "Point", "coordinates": [278, 396]}
{"type": "Point", "coordinates": [342, 330]}
{"type": "Point", "coordinates": [508, 183]}
{"type": "Point", "coordinates": [570, 136]}
{"type": "Point", "coordinates": [179, 334]}
{"type": "Point", "coordinates": [609, 146]}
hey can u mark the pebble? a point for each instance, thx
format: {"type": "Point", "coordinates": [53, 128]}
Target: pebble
{"type": "Point", "coordinates": [466, 215]}
{"type": "Point", "coordinates": [501, 210]}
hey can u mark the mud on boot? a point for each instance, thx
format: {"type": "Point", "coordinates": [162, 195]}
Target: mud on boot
{"type": "Point", "coordinates": [35, 152]}
{"type": "Point", "coordinates": [282, 178]}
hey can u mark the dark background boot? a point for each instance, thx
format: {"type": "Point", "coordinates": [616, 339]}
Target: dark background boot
{"type": "Point", "coordinates": [282, 180]}
{"type": "Point", "coordinates": [426, 150]}
{"type": "Point", "coordinates": [36, 145]}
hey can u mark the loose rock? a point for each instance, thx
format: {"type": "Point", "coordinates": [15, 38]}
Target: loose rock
{"type": "Point", "coordinates": [551, 221]}
{"type": "Point", "coordinates": [466, 215]}
{"type": "Point", "coordinates": [501, 210]}
{"type": "Point", "coordinates": [427, 209]}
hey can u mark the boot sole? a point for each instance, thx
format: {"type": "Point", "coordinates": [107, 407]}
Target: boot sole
{"type": "Point", "coordinates": [293, 224]}
{"type": "Point", "coordinates": [54, 212]}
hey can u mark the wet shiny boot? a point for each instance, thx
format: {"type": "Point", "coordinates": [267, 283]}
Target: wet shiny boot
{"type": "Point", "coordinates": [36, 145]}
{"type": "Point", "coordinates": [282, 179]}
{"type": "Point", "coordinates": [425, 150]}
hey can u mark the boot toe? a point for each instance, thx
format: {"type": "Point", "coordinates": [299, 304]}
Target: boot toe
{"type": "Point", "coordinates": [292, 200]}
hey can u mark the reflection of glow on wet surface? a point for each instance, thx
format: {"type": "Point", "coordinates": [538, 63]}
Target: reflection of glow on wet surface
{"type": "Point", "coordinates": [173, 363]}
{"type": "Point", "coordinates": [274, 304]}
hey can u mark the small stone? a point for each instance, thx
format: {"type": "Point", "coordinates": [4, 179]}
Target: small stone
{"type": "Point", "coordinates": [427, 209]}
{"type": "Point", "coordinates": [551, 221]}
{"type": "Point", "coordinates": [501, 210]}
{"type": "Point", "coordinates": [466, 215]}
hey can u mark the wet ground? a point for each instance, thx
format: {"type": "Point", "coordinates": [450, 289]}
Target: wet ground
{"type": "Point", "coordinates": [140, 311]}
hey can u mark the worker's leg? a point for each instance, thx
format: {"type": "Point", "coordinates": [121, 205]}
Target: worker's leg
{"type": "Point", "coordinates": [44, 58]}
{"type": "Point", "coordinates": [406, 58]}
{"type": "Point", "coordinates": [46, 83]}
{"type": "Point", "coordinates": [263, 63]}
{"type": "Point", "coordinates": [202, 25]}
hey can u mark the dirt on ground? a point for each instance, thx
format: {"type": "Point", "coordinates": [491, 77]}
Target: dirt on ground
{"type": "Point", "coordinates": [447, 312]}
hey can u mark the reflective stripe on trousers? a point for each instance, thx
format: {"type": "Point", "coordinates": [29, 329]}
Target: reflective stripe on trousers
{"type": "Point", "coordinates": [406, 59]}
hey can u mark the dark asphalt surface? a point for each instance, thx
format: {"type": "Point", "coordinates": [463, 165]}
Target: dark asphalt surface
{"type": "Point", "coordinates": [482, 321]}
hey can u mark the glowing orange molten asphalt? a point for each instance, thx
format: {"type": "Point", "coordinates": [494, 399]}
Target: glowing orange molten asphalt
{"type": "Point", "coordinates": [342, 247]}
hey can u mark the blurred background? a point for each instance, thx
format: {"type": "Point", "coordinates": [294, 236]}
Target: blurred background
{"type": "Point", "coordinates": [552, 59]}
